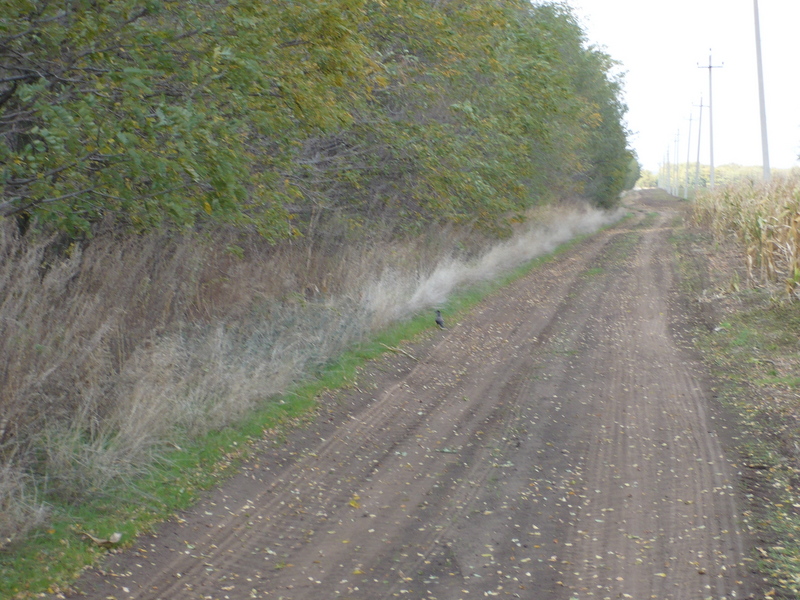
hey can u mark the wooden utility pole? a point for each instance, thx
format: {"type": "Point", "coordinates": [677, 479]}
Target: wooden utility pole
{"type": "Point", "coordinates": [761, 98]}
{"type": "Point", "coordinates": [710, 68]}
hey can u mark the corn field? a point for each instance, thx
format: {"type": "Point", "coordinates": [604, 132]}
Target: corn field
{"type": "Point", "coordinates": [764, 219]}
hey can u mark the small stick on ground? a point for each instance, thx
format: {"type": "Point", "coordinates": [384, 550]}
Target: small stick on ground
{"type": "Point", "coordinates": [399, 351]}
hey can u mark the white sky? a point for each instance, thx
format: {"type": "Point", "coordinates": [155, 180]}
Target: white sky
{"type": "Point", "coordinates": [660, 45]}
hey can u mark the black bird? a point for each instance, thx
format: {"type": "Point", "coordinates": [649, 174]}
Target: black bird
{"type": "Point", "coordinates": [439, 319]}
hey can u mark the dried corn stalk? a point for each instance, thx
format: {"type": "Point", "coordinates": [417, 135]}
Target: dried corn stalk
{"type": "Point", "coordinates": [765, 219]}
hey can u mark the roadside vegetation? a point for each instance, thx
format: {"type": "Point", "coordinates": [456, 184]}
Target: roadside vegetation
{"type": "Point", "coordinates": [202, 204]}
{"type": "Point", "coordinates": [177, 415]}
{"type": "Point", "coordinates": [277, 115]}
{"type": "Point", "coordinates": [752, 237]}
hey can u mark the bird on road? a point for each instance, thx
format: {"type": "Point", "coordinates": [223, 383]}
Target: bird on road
{"type": "Point", "coordinates": [439, 319]}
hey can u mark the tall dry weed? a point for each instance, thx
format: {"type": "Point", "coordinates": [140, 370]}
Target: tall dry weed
{"type": "Point", "coordinates": [764, 218]}
{"type": "Point", "coordinates": [112, 349]}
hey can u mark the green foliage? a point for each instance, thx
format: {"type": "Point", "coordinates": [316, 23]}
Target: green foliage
{"type": "Point", "coordinates": [269, 114]}
{"type": "Point", "coordinates": [634, 172]}
{"type": "Point", "coordinates": [166, 109]}
{"type": "Point", "coordinates": [647, 179]}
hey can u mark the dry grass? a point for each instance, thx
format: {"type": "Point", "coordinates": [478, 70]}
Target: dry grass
{"type": "Point", "coordinates": [765, 219]}
{"type": "Point", "coordinates": [114, 349]}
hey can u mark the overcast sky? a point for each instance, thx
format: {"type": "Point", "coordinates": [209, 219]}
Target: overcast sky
{"type": "Point", "coordinates": [660, 45]}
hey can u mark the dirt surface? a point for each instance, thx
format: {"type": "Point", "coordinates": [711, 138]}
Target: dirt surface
{"type": "Point", "coordinates": [561, 442]}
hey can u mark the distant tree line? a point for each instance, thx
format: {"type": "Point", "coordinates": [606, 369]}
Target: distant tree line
{"type": "Point", "coordinates": [274, 114]}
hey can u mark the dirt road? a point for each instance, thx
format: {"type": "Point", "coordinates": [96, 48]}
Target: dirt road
{"type": "Point", "coordinates": [558, 443]}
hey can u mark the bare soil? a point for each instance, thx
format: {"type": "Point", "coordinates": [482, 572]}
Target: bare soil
{"type": "Point", "coordinates": [560, 442]}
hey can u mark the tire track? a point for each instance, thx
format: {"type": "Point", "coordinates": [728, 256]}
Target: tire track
{"type": "Point", "coordinates": [667, 527]}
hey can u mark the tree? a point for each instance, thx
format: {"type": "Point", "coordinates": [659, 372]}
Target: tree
{"type": "Point", "coordinates": [272, 114]}
{"type": "Point", "coordinates": [167, 110]}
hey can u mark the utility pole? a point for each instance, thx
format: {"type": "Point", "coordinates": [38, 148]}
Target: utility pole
{"type": "Point", "coordinates": [710, 67]}
{"type": "Point", "coordinates": [677, 186]}
{"type": "Point", "coordinates": [699, 139]}
{"type": "Point", "coordinates": [761, 97]}
{"type": "Point", "coordinates": [688, 155]}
